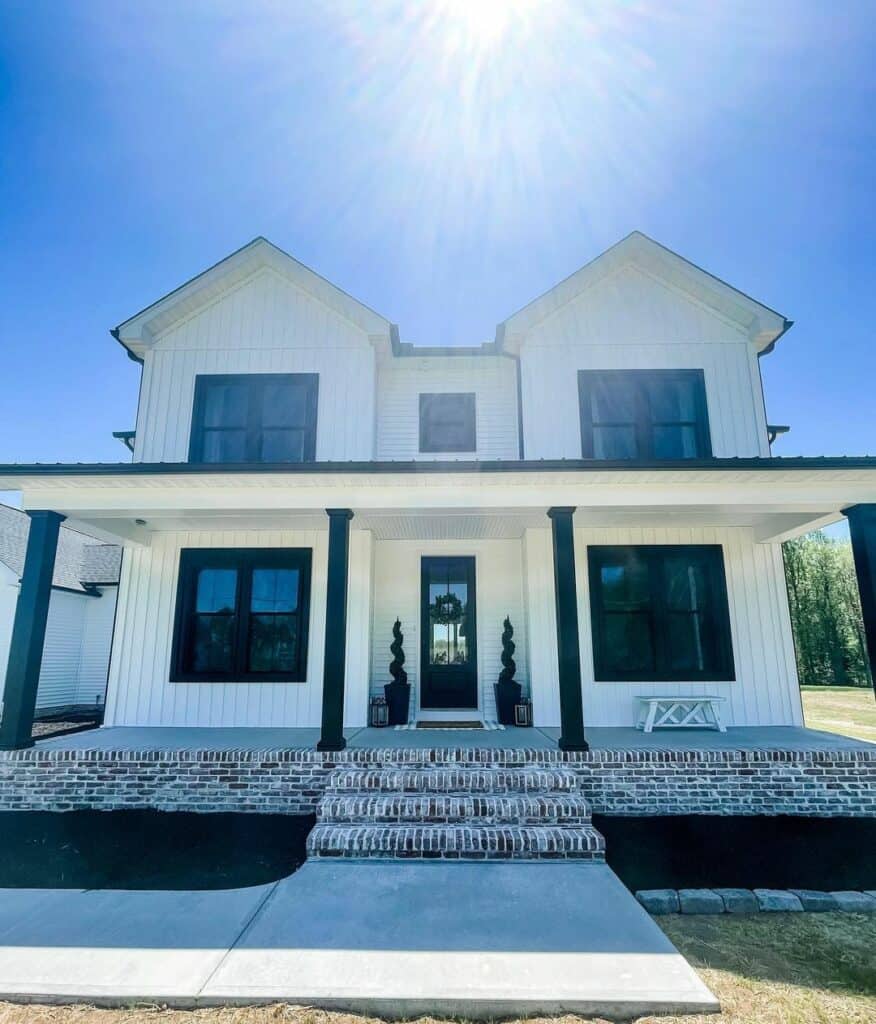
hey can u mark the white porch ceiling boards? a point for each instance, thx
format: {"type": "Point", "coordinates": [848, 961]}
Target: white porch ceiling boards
{"type": "Point", "coordinates": [777, 502]}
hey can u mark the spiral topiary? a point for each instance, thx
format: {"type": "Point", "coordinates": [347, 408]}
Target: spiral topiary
{"type": "Point", "coordinates": [508, 648]}
{"type": "Point", "coordinates": [398, 655]}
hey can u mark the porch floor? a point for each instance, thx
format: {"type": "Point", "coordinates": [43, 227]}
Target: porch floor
{"type": "Point", "coordinates": [600, 738]}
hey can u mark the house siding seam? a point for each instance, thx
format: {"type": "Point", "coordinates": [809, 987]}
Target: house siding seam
{"type": "Point", "coordinates": [629, 783]}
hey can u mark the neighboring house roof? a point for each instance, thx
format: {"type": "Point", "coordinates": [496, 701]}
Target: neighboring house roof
{"type": "Point", "coordinates": [139, 331]}
{"type": "Point", "coordinates": [81, 563]}
{"type": "Point", "coordinates": [764, 326]}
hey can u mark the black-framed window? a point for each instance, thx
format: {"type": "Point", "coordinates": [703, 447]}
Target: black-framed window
{"type": "Point", "coordinates": [643, 414]}
{"type": "Point", "coordinates": [447, 423]}
{"type": "Point", "coordinates": [659, 612]}
{"type": "Point", "coordinates": [254, 417]}
{"type": "Point", "coordinates": [241, 615]}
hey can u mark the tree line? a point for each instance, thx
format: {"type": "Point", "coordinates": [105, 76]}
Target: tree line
{"type": "Point", "coordinates": [825, 612]}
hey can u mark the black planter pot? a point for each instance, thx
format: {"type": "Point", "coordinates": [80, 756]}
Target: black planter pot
{"type": "Point", "coordinates": [398, 697]}
{"type": "Point", "coordinates": [507, 695]}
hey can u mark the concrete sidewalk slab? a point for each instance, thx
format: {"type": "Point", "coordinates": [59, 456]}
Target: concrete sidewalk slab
{"type": "Point", "coordinates": [461, 939]}
{"type": "Point", "coordinates": [473, 940]}
{"type": "Point", "coordinates": [116, 945]}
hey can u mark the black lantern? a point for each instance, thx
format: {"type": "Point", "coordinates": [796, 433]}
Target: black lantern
{"type": "Point", "coordinates": [379, 716]}
{"type": "Point", "coordinates": [523, 712]}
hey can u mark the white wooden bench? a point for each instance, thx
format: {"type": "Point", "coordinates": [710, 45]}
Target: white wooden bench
{"type": "Point", "coordinates": [680, 713]}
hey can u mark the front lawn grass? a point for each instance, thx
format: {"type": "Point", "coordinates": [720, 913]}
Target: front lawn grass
{"type": "Point", "coordinates": [765, 969]}
{"type": "Point", "coordinates": [848, 710]}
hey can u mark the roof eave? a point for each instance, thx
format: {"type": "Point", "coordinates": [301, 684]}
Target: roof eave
{"type": "Point", "coordinates": [135, 336]}
{"type": "Point", "coordinates": [765, 351]}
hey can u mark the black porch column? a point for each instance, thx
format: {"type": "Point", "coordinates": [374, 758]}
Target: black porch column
{"type": "Point", "coordinates": [332, 737]}
{"type": "Point", "coordinates": [568, 653]}
{"type": "Point", "coordinates": [29, 631]}
{"type": "Point", "coordinates": [862, 527]}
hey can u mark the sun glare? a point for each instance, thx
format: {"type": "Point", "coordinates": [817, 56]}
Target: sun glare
{"type": "Point", "coordinates": [483, 23]}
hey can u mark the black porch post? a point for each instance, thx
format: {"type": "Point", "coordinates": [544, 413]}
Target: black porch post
{"type": "Point", "coordinates": [568, 653]}
{"type": "Point", "coordinates": [862, 527]}
{"type": "Point", "coordinates": [29, 631]}
{"type": "Point", "coordinates": [332, 737]}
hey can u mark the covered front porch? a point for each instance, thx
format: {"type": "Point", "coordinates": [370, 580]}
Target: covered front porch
{"type": "Point", "coordinates": [526, 528]}
{"type": "Point", "coordinates": [744, 739]}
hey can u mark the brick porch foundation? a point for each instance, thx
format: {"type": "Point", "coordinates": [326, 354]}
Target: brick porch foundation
{"type": "Point", "coordinates": [816, 783]}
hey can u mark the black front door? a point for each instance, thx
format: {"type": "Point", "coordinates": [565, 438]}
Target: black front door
{"type": "Point", "coordinates": [448, 652]}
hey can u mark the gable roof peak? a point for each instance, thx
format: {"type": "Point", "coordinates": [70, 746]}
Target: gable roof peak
{"type": "Point", "coordinates": [139, 331]}
{"type": "Point", "coordinates": [763, 325]}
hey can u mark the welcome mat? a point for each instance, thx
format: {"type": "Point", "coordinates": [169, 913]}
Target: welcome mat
{"type": "Point", "coordinates": [485, 726]}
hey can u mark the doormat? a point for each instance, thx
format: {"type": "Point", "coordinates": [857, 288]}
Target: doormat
{"type": "Point", "coordinates": [473, 725]}
{"type": "Point", "coordinates": [450, 725]}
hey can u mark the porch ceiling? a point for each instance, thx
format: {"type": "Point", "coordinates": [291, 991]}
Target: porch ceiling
{"type": "Point", "coordinates": [776, 500]}
{"type": "Point", "coordinates": [443, 524]}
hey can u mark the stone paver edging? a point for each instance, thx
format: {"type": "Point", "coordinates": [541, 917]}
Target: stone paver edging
{"type": "Point", "coordinates": [753, 901]}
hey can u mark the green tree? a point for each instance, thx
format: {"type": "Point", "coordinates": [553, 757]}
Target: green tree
{"type": "Point", "coordinates": [825, 611]}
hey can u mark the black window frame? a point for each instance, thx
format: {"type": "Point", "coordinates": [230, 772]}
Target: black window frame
{"type": "Point", "coordinates": [243, 560]}
{"type": "Point", "coordinates": [468, 404]}
{"type": "Point", "coordinates": [644, 423]}
{"type": "Point", "coordinates": [711, 557]}
{"type": "Point", "coordinates": [256, 383]}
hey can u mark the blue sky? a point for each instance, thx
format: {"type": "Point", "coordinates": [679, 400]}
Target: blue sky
{"type": "Point", "coordinates": [442, 166]}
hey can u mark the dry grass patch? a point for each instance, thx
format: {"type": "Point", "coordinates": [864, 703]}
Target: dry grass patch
{"type": "Point", "coordinates": [765, 969]}
{"type": "Point", "coordinates": [847, 710]}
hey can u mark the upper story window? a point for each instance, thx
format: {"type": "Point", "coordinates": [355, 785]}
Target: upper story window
{"type": "Point", "coordinates": [254, 417]}
{"type": "Point", "coordinates": [241, 615]}
{"type": "Point", "coordinates": [659, 613]}
{"type": "Point", "coordinates": [643, 414]}
{"type": "Point", "coordinates": [447, 423]}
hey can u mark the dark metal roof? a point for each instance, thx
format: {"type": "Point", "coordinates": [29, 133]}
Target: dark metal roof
{"type": "Point", "coordinates": [775, 463]}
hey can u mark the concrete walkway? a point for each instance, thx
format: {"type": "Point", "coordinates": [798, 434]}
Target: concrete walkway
{"type": "Point", "coordinates": [461, 939]}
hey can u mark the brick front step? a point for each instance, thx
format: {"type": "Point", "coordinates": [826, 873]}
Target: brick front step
{"type": "Point", "coordinates": [450, 779]}
{"type": "Point", "coordinates": [504, 842]}
{"type": "Point", "coordinates": [446, 808]}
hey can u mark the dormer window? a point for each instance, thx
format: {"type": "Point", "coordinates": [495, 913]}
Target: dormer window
{"type": "Point", "coordinates": [643, 414]}
{"type": "Point", "coordinates": [447, 423]}
{"type": "Point", "coordinates": [254, 417]}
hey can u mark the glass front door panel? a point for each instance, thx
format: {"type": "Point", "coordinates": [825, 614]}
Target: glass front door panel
{"type": "Point", "coordinates": [448, 601]}
{"type": "Point", "coordinates": [448, 618]}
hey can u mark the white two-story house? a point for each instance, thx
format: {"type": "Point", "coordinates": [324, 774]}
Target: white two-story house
{"type": "Point", "coordinates": [600, 474]}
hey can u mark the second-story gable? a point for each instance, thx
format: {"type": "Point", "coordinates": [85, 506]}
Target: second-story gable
{"type": "Point", "coordinates": [641, 354]}
{"type": "Point", "coordinates": [263, 361]}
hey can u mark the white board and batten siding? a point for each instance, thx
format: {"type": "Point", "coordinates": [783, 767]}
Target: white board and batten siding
{"type": "Point", "coordinates": [631, 320]}
{"type": "Point", "coordinates": [8, 600]}
{"type": "Point", "coordinates": [264, 325]}
{"type": "Point", "coordinates": [77, 645]}
{"type": "Point", "coordinates": [401, 381]}
{"type": "Point", "coordinates": [140, 692]}
{"type": "Point", "coordinates": [499, 592]}
{"type": "Point", "coordinates": [765, 691]}
{"type": "Point", "coordinates": [97, 637]}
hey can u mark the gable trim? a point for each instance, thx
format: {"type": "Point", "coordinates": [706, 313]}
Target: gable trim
{"type": "Point", "coordinates": [630, 251]}
{"type": "Point", "coordinates": [136, 333]}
